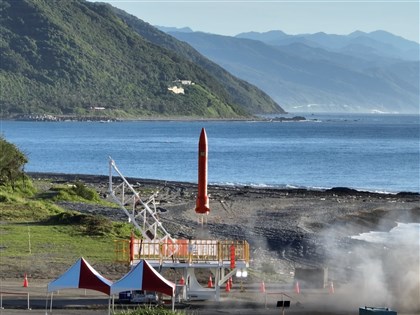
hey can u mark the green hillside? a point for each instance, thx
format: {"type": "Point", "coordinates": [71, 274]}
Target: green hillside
{"type": "Point", "coordinates": [79, 58]}
{"type": "Point", "coordinates": [250, 97]}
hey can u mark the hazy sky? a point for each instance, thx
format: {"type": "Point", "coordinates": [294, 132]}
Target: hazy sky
{"type": "Point", "coordinates": [400, 17]}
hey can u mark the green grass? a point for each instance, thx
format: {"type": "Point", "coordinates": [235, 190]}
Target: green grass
{"type": "Point", "coordinates": [21, 210]}
{"type": "Point", "coordinates": [74, 192]}
{"type": "Point", "coordinates": [65, 242]}
{"type": "Point", "coordinates": [34, 227]}
{"type": "Point", "coordinates": [22, 190]}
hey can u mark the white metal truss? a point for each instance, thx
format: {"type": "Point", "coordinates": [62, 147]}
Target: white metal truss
{"type": "Point", "coordinates": [142, 215]}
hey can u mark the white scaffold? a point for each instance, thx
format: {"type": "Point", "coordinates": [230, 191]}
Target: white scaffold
{"type": "Point", "coordinates": [143, 215]}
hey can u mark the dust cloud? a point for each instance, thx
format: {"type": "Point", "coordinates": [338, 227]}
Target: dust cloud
{"type": "Point", "coordinates": [380, 268]}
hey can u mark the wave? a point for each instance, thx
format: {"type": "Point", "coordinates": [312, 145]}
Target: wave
{"type": "Point", "coordinates": [403, 233]}
{"type": "Point", "coordinates": [311, 188]}
{"type": "Point", "coordinates": [267, 185]}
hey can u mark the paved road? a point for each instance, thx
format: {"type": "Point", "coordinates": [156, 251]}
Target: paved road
{"type": "Point", "coordinates": [248, 302]}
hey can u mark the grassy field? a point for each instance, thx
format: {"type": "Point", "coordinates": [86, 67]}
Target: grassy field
{"type": "Point", "coordinates": [39, 238]}
{"type": "Point", "coordinates": [33, 228]}
{"type": "Point", "coordinates": [21, 240]}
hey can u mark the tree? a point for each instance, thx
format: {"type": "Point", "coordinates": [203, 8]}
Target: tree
{"type": "Point", "coordinates": [12, 161]}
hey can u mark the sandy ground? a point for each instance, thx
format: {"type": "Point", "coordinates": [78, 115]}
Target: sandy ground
{"type": "Point", "coordinates": [286, 229]}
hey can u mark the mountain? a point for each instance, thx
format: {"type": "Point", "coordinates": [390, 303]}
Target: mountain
{"type": "Point", "coordinates": [320, 72]}
{"type": "Point", "coordinates": [79, 58]}
{"type": "Point", "coordinates": [251, 98]}
{"type": "Point", "coordinates": [165, 29]}
{"type": "Point", "coordinates": [381, 43]}
{"type": "Point", "coordinates": [406, 49]}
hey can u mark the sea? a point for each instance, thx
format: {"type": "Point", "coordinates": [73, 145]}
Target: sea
{"type": "Point", "coordinates": [370, 152]}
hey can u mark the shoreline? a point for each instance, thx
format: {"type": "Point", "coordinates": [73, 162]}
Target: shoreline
{"type": "Point", "coordinates": [339, 190]}
{"type": "Point", "coordinates": [63, 118]}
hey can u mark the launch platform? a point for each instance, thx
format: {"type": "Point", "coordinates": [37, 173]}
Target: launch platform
{"type": "Point", "coordinates": [223, 258]}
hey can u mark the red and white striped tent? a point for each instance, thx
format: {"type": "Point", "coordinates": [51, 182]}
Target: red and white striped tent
{"type": "Point", "coordinates": [144, 277]}
{"type": "Point", "coordinates": [81, 276]}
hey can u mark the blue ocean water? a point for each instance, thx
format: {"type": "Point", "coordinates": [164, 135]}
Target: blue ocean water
{"type": "Point", "coordinates": [367, 152]}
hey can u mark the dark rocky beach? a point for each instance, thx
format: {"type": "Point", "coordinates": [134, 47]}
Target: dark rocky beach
{"type": "Point", "coordinates": [292, 223]}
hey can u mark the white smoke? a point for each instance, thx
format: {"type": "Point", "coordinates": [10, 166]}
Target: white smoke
{"type": "Point", "coordinates": [385, 269]}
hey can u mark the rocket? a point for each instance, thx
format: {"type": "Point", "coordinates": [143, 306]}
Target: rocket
{"type": "Point", "coordinates": [202, 202]}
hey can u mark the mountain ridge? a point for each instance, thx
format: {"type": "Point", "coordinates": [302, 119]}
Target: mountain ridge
{"type": "Point", "coordinates": [312, 71]}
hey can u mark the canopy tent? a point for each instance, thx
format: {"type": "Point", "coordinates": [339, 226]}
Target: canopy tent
{"type": "Point", "coordinates": [144, 277]}
{"type": "Point", "coordinates": [81, 276]}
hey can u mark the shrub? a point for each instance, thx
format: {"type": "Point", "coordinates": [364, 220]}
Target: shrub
{"type": "Point", "coordinates": [92, 225]}
{"type": "Point", "coordinates": [66, 217]}
{"type": "Point", "coordinates": [85, 192]}
{"type": "Point", "coordinates": [12, 161]}
{"type": "Point", "coordinates": [76, 192]}
{"type": "Point", "coordinates": [97, 225]}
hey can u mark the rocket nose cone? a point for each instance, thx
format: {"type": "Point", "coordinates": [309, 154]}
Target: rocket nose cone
{"type": "Point", "coordinates": [203, 136]}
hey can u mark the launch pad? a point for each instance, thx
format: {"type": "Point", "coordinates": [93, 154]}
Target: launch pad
{"type": "Point", "coordinates": [224, 258]}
